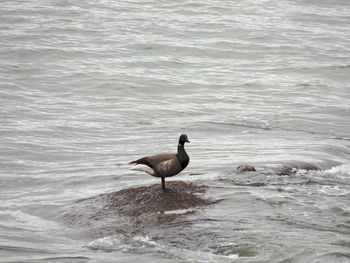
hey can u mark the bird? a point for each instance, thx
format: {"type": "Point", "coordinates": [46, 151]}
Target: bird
{"type": "Point", "coordinates": [164, 164]}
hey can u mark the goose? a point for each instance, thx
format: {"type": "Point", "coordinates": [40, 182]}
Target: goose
{"type": "Point", "coordinates": [164, 164]}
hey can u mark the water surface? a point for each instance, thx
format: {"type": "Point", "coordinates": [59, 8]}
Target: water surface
{"type": "Point", "coordinates": [86, 87]}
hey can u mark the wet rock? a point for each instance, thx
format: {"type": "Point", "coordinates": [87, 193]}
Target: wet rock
{"type": "Point", "coordinates": [293, 168]}
{"type": "Point", "coordinates": [151, 199]}
{"type": "Point", "coordinates": [135, 209]}
{"type": "Point", "coordinates": [285, 170]}
{"type": "Point", "coordinates": [245, 175]}
{"type": "Point", "coordinates": [245, 168]}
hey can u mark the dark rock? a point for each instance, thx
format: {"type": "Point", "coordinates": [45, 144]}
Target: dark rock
{"type": "Point", "coordinates": [136, 209]}
{"type": "Point", "coordinates": [293, 168]}
{"type": "Point", "coordinates": [151, 199]}
{"type": "Point", "coordinates": [245, 168]}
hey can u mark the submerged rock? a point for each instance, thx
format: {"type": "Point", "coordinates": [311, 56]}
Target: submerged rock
{"type": "Point", "coordinates": [245, 168]}
{"type": "Point", "coordinates": [136, 209]}
{"type": "Point", "coordinates": [293, 168]}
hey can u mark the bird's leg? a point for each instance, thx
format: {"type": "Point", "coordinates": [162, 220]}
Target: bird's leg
{"type": "Point", "coordinates": [163, 184]}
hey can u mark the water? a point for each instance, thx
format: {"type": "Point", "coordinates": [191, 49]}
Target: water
{"type": "Point", "coordinates": [88, 86]}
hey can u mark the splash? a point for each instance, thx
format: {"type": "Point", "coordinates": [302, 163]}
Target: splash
{"type": "Point", "coordinates": [340, 170]}
{"type": "Point", "coordinates": [143, 244]}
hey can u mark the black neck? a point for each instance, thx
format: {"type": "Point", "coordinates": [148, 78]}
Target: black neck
{"type": "Point", "coordinates": [182, 155]}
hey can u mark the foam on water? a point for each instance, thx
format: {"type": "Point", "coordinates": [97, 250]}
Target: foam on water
{"type": "Point", "coordinates": [340, 170]}
{"type": "Point", "coordinates": [142, 244]}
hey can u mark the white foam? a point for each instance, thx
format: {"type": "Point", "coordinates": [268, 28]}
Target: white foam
{"type": "Point", "coordinates": [179, 211]}
{"type": "Point", "coordinates": [343, 169]}
{"type": "Point", "coordinates": [144, 240]}
{"type": "Point", "coordinates": [143, 244]}
{"type": "Point", "coordinates": [123, 243]}
{"type": "Point", "coordinates": [340, 171]}
{"type": "Point", "coordinates": [108, 243]}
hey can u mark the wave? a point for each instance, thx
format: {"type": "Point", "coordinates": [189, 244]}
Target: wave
{"type": "Point", "coordinates": [143, 244]}
{"type": "Point", "coordinates": [343, 169]}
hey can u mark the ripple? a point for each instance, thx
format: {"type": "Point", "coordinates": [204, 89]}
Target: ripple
{"type": "Point", "coordinates": [87, 85]}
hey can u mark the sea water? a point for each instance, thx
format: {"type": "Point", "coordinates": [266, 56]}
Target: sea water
{"type": "Point", "coordinates": [87, 86]}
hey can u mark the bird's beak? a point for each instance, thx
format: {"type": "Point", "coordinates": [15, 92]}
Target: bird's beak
{"type": "Point", "coordinates": [187, 140]}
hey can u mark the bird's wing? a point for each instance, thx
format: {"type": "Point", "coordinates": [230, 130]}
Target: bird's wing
{"type": "Point", "coordinates": [154, 160]}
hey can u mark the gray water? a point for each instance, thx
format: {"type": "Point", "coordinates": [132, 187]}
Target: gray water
{"type": "Point", "coordinates": [87, 86]}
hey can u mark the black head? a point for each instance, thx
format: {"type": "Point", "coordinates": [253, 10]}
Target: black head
{"type": "Point", "coordinates": [183, 138]}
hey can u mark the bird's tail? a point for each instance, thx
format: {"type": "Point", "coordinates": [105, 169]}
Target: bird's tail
{"type": "Point", "coordinates": [139, 161]}
{"type": "Point", "coordinates": [142, 165]}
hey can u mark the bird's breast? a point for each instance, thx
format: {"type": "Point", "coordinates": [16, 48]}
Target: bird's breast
{"type": "Point", "coordinates": [168, 168]}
